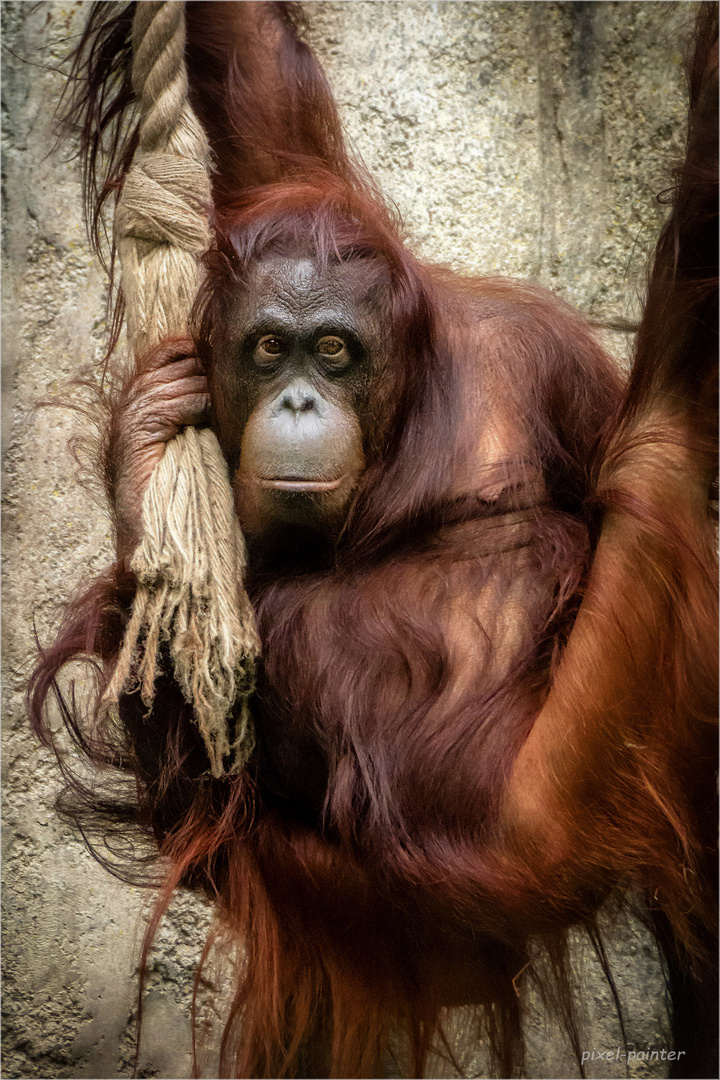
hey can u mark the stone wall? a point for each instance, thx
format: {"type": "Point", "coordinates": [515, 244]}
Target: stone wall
{"type": "Point", "coordinates": [516, 138]}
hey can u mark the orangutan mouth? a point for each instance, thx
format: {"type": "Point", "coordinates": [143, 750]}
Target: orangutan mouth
{"type": "Point", "coordinates": [299, 484]}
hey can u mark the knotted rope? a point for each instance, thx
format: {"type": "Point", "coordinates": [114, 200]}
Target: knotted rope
{"type": "Point", "coordinates": [190, 562]}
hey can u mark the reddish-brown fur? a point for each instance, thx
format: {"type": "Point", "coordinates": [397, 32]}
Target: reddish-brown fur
{"type": "Point", "coordinates": [493, 710]}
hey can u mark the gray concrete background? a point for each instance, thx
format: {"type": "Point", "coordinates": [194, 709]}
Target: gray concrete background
{"type": "Point", "coordinates": [525, 139]}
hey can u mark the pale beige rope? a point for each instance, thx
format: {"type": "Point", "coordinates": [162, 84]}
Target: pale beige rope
{"type": "Point", "coordinates": [190, 561]}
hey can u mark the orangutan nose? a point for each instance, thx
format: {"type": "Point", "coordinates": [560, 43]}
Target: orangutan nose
{"type": "Point", "coordinates": [297, 399]}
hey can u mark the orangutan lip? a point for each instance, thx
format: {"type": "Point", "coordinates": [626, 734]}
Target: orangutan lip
{"type": "Point", "coordinates": [299, 484]}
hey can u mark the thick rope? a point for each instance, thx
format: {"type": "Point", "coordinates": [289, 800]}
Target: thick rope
{"type": "Point", "coordinates": [190, 562]}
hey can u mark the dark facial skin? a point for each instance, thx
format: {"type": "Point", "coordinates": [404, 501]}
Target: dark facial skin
{"type": "Point", "coordinates": [289, 397]}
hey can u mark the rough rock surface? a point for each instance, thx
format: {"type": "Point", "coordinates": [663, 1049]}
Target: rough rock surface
{"type": "Point", "coordinates": [516, 138]}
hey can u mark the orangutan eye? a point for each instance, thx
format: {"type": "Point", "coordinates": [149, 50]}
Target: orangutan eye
{"type": "Point", "coordinates": [268, 352]}
{"type": "Point", "coordinates": [272, 346]}
{"type": "Point", "coordinates": [333, 352]}
{"type": "Point", "coordinates": [330, 346]}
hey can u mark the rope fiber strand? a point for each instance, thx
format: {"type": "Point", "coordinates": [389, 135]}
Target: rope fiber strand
{"type": "Point", "coordinates": [190, 562]}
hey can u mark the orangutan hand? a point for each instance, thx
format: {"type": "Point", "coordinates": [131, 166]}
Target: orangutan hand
{"type": "Point", "coordinates": [168, 392]}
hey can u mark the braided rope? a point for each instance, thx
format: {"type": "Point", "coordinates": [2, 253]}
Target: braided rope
{"type": "Point", "coordinates": [190, 561]}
